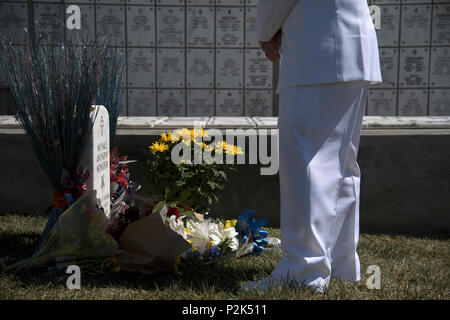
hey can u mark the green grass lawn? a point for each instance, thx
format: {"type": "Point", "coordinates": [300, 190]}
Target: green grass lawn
{"type": "Point", "coordinates": [411, 268]}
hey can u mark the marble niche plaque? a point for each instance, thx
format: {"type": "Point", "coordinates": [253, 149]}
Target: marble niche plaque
{"type": "Point", "coordinates": [382, 103]}
{"type": "Point", "coordinates": [142, 102]}
{"type": "Point", "coordinates": [141, 67]}
{"type": "Point", "coordinates": [251, 40]}
{"type": "Point", "coordinates": [229, 103]}
{"type": "Point", "coordinates": [229, 2]}
{"type": "Point", "coordinates": [111, 21]}
{"type": "Point", "coordinates": [440, 102]}
{"type": "Point", "coordinates": [416, 25]}
{"type": "Point", "coordinates": [200, 103]}
{"type": "Point", "coordinates": [229, 27]}
{"type": "Point", "coordinates": [229, 68]}
{"type": "Point", "coordinates": [170, 68]}
{"type": "Point", "coordinates": [414, 67]}
{"type": "Point", "coordinates": [389, 67]}
{"type": "Point", "coordinates": [389, 32]}
{"type": "Point", "coordinates": [95, 158]}
{"type": "Point", "coordinates": [140, 26]}
{"type": "Point", "coordinates": [440, 67]}
{"type": "Point", "coordinates": [441, 25]}
{"type": "Point", "coordinates": [258, 103]}
{"type": "Point", "coordinates": [200, 26]}
{"type": "Point", "coordinates": [170, 2]}
{"type": "Point", "coordinates": [87, 31]}
{"type": "Point", "coordinates": [412, 102]}
{"type": "Point", "coordinates": [200, 2]}
{"type": "Point", "coordinates": [171, 103]}
{"type": "Point", "coordinates": [50, 22]}
{"type": "Point", "coordinates": [77, 1]}
{"type": "Point", "coordinates": [252, 2]}
{"type": "Point", "coordinates": [258, 69]}
{"type": "Point", "coordinates": [200, 68]}
{"type": "Point", "coordinates": [385, 1]}
{"type": "Point", "coordinates": [109, 1]}
{"type": "Point", "coordinates": [13, 20]}
{"type": "Point", "coordinates": [140, 1]}
{"type": "Point", "coordinates": [170, 26]}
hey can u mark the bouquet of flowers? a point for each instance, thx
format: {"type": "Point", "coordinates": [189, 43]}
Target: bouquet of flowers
{"type": "Point", "coordinates": [78, 237]}
{"type": "Point", "coordinates": [187, 181]}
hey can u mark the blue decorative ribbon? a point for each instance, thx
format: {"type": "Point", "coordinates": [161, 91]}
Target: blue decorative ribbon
{"type": "Point", "coordinates": [249, 227]}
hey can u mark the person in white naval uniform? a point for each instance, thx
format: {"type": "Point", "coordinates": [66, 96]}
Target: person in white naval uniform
{"type": "Point", "coordinates": [329, 58]}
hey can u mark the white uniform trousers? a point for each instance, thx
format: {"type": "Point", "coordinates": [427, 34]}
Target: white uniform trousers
{"type": "Point", "coordinates": [319, 132]}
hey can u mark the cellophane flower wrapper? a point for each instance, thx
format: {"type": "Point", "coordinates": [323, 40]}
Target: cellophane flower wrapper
{"type": "Point", "coordinates": [151, 245]}
{"type": "Point", "coordinates": [79, 237]}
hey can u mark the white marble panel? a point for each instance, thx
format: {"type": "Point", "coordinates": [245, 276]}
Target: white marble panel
{"type": "Point", "coordinates": [440, 102]}
{"type": "Point", "coordinates": [171, 68]}
{"type": "Point", "coordinates": [13, 21]}
{"type": "Point", "coordinates": [441, 24]}
{"type": "Point", "coordinates": [229, 103]}
{"type": "Point", "coordinates": [412, 102]}
{"type": "Point", "coordinates": [382, 103]}
{"type": "Point", "coordinates": [170, 26]}
{"type": "Point", "coordinates": [229, 68]}
{"type": "Point", "coordinates": [416, 25]}
{"type": "Point", "coordinates": [111, 22]}
{"type": "Point", "coordinates": [171, 103]}
{"type": "Point", "coordinates": [440, 67]}
{"type": "Point", "coordinates": [200, 26]}
{"type": "Point", "coordinates": [414, 67]}
{"type": "Point", "coordinates": [259, 103]}
{"type": "Point", "coordinates": [258, 69]}
{"type": "Point", "coordinates": [140, 26]}
{"type": "Point", "coordinates": [200, 68]}
{"type": "Point", "coordinates": [141, 67]}
{"type": "Point", "coordinates": [229, 27]}
{"type": "Point", "coordinates": [141, 102]}
{"type": "Point", "coordinates": [200, 103]}
{"type": "Point", "coordinates": [388, 34]}
{"type": "Point", "coordinates": [49, 22]}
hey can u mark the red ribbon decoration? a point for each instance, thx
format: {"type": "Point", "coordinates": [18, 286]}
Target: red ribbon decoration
{"type": "Point", "coordinates": [59, 200]}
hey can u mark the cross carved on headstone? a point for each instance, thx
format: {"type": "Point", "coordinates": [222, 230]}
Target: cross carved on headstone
{"type": "Point", "coordinates": [102, 124]}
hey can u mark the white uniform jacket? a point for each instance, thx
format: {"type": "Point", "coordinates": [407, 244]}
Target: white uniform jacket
{"type": "Point", "coordinates": [323, 41]}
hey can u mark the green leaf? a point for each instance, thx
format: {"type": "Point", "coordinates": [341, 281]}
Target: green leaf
{"type": "Point", "coordinates": [158, 207]}
{"type": "Point", "coordinates": [184, 196]}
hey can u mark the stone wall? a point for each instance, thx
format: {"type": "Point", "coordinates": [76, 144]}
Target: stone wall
{"type": "Point", "coordinates": [201, 57]}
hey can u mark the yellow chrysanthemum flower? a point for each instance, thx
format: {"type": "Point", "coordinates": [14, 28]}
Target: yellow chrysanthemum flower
{"type": "Point", "coordinates": [222, 145]}
{"type": "Point", "coordinates": [237, 150]}
{"type": "Point", "coordinates": [180, 134]}
{"type": "Point", "coordinates": [230, 223]}
{"type": "Point", "coordinates": [166, 137]}
{"type": "Point", "coordinates": [158, 147]}
{"type": "Point", "coordinates": [196, 133]}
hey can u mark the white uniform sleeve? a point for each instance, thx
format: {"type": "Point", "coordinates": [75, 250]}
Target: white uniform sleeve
{"type": "Point", "coordinates": [271, 15]}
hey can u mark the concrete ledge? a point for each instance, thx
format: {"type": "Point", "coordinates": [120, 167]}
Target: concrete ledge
{"type": "Point", "coordinates": [372, 125]}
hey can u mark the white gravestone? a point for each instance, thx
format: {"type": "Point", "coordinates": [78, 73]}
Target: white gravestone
{"type": "Point", "coordinates": [96, 157]}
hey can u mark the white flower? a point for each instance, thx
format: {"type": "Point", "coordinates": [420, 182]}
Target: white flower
{"type": "Point", "coordinates": [177, 226]}
{"type": "Point", "coordinates": [210, 233]}
{"type": "Point", "coordinates": [203, 234]}
{"type": "Point", "coordinates": [229, 233]}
